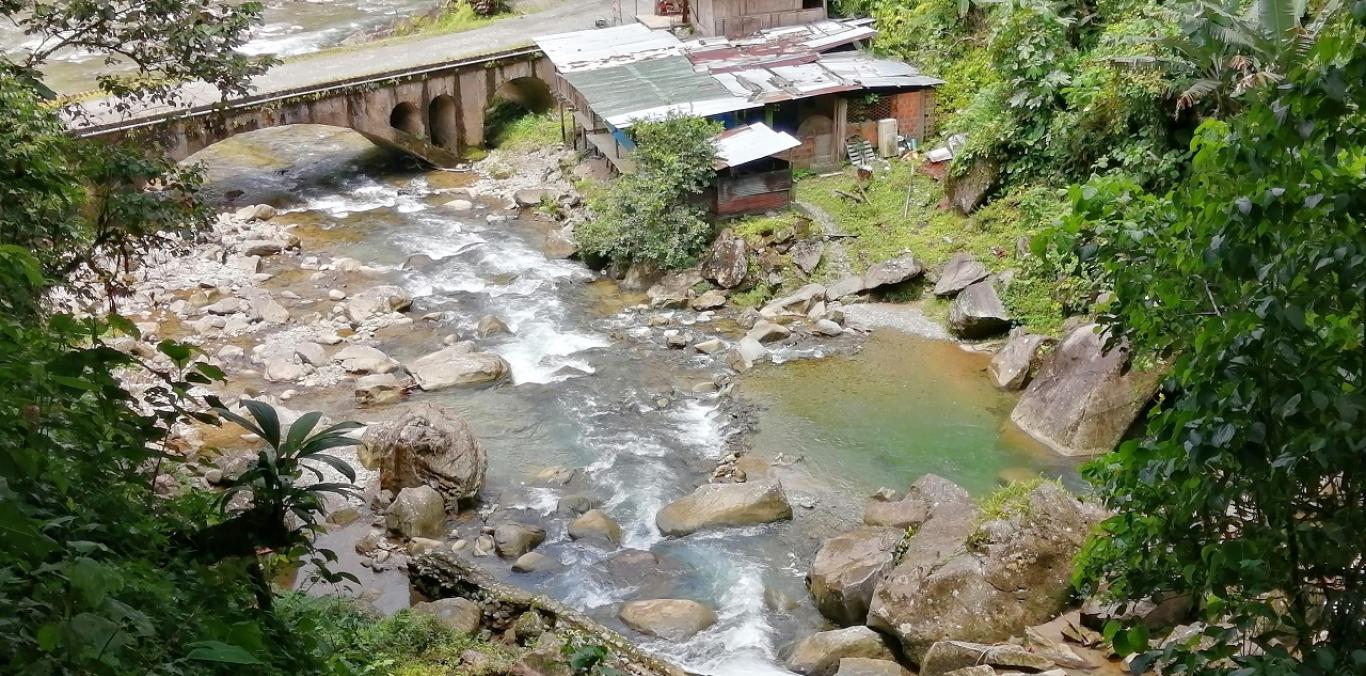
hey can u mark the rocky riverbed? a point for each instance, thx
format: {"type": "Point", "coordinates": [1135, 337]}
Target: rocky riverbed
{"type": "Point", "coordinates": [605, 439]}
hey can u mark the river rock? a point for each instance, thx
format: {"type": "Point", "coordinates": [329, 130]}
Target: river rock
{"type": "Point", "coordinates": [255, 212]}
{"type": "Point", "coordinates": [820, 654]}
{"type": "Point", "coordinates": [226, 306]}
{"type": "Point", "coordinates": [846, 286]}
{"type": "Point", "coordinates": [928, 496]}
{"type": "Point", "coordinates": [648, 573]}
{"type": "Point", "coordinates": [1084, 399]}
{"type": "Point", "coordinates": [722, 505]}
{"type": "Point", "coordinates": [267, 309]}
{"type": "Point", "coordinates": [710, 346]}
{"type": "Point", "coordinates": [573, 505]}
{"type": "Point", "coordinates": [377, 300]}
{"type": "Point", "coordinates": [491, 325]}
{"type": "Point", "coordinates": [364, 359]}
{"type": "Point", "coordinates": [452, 366]}
{"type": "Point", "coordinates": [641, 276]}
{"type": "Point", "coordinates": [895, 271]}
{"type": "Point", "coordinates": [431, 446]}
{"type": "Point", "coordinates": [798, 302]}
{"type": "Point", "coordinates": [825, 327]}
{"type": "Point", "coordinates": [417, 511]}
{"type": "Point", "coordinates": [311, 353]}
{"type": "Point", "coordinates": [977, 312]}
{"type": "Point", "coordinates": [673, 289]}
{"type": "Point", "coordinates": [515, 539]}
{"type": "Point", "coordinates": [1011, 367]}
{"type": "Point", "coordinates": [864, 666]}
{"type": "Point", "coordinates": [670, 619]}
{"type": "Point", "coordinates": [726, 263]}
{"type": "Point", "coordinates": [378, 389]}
{"type": "Point", "coordinates": [709, 300]}
{"type": "Point", "coordinates": [765, 331]}
{"type": "Point", "coordinates": [947, 656]}
{"type": "Point", "coordinates": [459, 205]}
{"type": "Point", "coordinates": [960, 271]}
{"type": "Point", "coordinates": [847, 568]}
{"type": "Point", "coordinates": [532, 562]}
{"type": "Point", "coordinates": [459, 615]}
{"type": "Point", "coordinates": [260, 247]}
{"type": "Point", "coordinates": [280, 369]}
{"type": "Point", "coordinates": [985, 582]}
{"type": "Point", "coordinates": [531, 197]}
{"type": "Point", "coordinates": [969, 190]}
{"type": "Point", "coordinates": [561, 243]}
{"type": "Point", "coordinates": [806, 254]}
{"type": "Point", "coordinates": [595, 525]}
{"type": "Point", "coordinates": [746, 354]}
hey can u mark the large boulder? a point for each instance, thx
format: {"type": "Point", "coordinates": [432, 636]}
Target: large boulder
{"type": "Point", "coordinates": [1019, 357]}
{"type": "Point", "coordinates": [820, 654]}
{"type": "Point", "coordinates": [867, 666]}
{"type": "Point", "coordinates": [894, 271]}
{"type": "Point", "coordinates": [595, 525]}
{"type": "Point", "coordinates": [377, 389]}
{"type": "Point", "coordinates": [798, 302]}
{"type": "Point", "coordinates": [961, 271]}
{"type": "Point", "coordinates": [515, 539]}
{"type": "Point", "coordinates": [984, 582]}
{"type": "Point", "coordinates": [1084, 398]}
{"type": "Point", "coordinates": [969, 190]}
{"type": "Point", "coordinates": [847, 568]}
{"type": "Point", "coordinates": [845, 286]}
{"type": "Point", "coordinates": [377, 300]}
{"type": "Point", "coordinates": [726, 263]}
{"type": "Point", "coordinates": [459, 615]}
{"type": "Point", "coordinates": [722, 505]}
{"type": "Point", "coordinates": [947, 656]}
{"type": "Point", "coordinates": [674, 289]}
{"type": "Point", "coordinates": [429, 445]}
{"type": "Point", "coordinates": [363, 359]}
{"type": "Point", "coordinates": [671, 619]}
{"type": "Point", "coordinates": [930, 495]}
{"type": "Point", "coordinates": [455, 365]}
{"type": "Point", "coordinates": [640, 276]}
{"type": "Point", "coordinates": [806, 254]}
{"type": "Point", "coordinates": [977, 312]}
{"type": "Point", "coordinates": [417, 512]}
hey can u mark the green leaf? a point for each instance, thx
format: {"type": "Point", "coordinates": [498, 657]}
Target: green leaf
{"type": "Point", "coordinates": [218, 651]}
{"type": "Point", "coordinates": [268, 420]}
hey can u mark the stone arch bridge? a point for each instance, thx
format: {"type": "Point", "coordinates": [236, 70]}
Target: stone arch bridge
{"type": "Point", "coordinates": [431, 112]}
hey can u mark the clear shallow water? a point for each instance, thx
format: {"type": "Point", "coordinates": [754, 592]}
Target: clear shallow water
{"type": "Point", "coordinates": [594, 391]}
{"type": "Point", "coordinates": [291, 27]}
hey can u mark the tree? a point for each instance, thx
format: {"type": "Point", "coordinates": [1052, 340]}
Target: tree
{"type": "Point", "coordinates": [652, 214]}
{"type": "Point", "coordinates": [1246, 490]}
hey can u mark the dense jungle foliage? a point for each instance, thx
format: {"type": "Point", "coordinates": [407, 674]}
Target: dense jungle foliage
{"type": "Point", "coordinates": [1214, 167]}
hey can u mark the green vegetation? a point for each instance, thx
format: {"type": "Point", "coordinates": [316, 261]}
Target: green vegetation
{"type": "Point", "coordinates": [652, 214]}
{"type": "Point", "coordinates": [454, 17]}
{"type": "Point", "coordinates": [512, 127]}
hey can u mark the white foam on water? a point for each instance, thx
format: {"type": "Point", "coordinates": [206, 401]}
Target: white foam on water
{"type": "Point", "coordinates": [741, 641]}
{"type": "Point", "coordinates": [698, 428]}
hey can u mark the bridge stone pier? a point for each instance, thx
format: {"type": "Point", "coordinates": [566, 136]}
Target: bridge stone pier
{"type": "Point", "coordinates": [431, 112]}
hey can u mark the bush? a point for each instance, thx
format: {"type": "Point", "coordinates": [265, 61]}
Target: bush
{"type": "Point", "coordinates": [651, 215]}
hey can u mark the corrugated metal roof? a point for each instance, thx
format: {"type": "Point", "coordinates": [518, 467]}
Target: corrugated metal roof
{"type": "Point", "coordinates": [747, 143]}
{"type": "Point", "coordinates": [787, 45]}
{"type": "Point", "coordinates": [870, 71]}
{"type": "Point", "coordinates": [607, 47]}
{"type": "Point", "coordinates": [653, 89]}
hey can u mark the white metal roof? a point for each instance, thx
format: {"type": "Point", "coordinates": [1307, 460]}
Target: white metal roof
{"type": "Point", "coordinates": [870, 71]}
{"type": "Point", "coordinates": [751, 142]}
{"type": "Point", "coordinates": [607, 47]}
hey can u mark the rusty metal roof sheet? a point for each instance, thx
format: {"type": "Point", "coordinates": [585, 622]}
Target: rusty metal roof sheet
{"type": "Point", "coordinates": [787, 45]}
{"type": "Point", "coordinates": [747, 143]}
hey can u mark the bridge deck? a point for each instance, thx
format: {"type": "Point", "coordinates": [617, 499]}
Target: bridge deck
{"type": "Point", "coordinates": [348, 65]}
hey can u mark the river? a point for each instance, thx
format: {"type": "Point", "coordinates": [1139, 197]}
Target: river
{"type": "Point", "coordinates": [595, 390]}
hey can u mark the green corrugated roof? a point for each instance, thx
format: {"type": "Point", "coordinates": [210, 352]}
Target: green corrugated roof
{"type": "Point", "coordinates": [645, 85]}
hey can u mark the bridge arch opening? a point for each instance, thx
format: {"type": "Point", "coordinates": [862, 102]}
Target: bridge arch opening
{"type": "Point", "coordinates": [520, 108]}
{"type": "Point", "coordinates": [407, 117]}
{"type": "Point", "coordinates": [444, 116]}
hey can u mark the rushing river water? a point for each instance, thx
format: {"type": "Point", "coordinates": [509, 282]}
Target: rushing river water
{"type": "Point", "coordinates": [290, 28]}
{"type": "Point", "coordinates": [595, 389]}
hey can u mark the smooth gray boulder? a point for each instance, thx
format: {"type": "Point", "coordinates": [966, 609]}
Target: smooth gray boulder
{"type": "Point", "coordinates": [417, 511]}
{"type": "Point", "coordinates": [984, 582]}
{"type": "Point", "coordinates": [798, 302]}
{"type": "Point", "coordinates": [947, 656]}
{"type": "Point", "coordinates": [865, 666]}
{"type": "Point", "coordinates": [1084, 399]}
{"type": "Point", "coordinates": [806, 254]}
{"type": "Point", "coordinates": [959, 272]}
{"type": "Point", "coordinates": [846, 286]}
{"type": "Point", "coordinates": [726, 263]}
{"type": "Point", "coordinates": [724, 505]}
{"type": "Point", "coordinates": [533, 562]}
{"type": "Point", "coordinates": [362, 359]}
{"type": "Point", "coordinates": [377, 300]}
{"type": "Point", "coordinates": [455, 366]}
{"type": "Point", "coordinates": [512, 540]}
{"type": "Point", "coordinates": [640, 276]}
{"type": "Point", "coordinates": [928, 496]}
{"type": "Point", "coordinates": [491, 325]}
{"type": "Point", "coordinates": [460, 615]}
{"type": "Point", "coordinates": [847, 568]}
{"type": "Point", "coordinates": [432, 446]}
{"type": "Point", "coordinates": [977, 312]}
{"type": "Point", "coordinates": [378, 389]}
{"type": "Point", "coordinates": [1011, 367]}
{"type": "Point", "coordinates": [895, 271]}
{"type": "Point", "coordinates": [670, 619]}
{"type": "Point", "coordinates": [595, 525]}
{"type": "Point", "coordinates": [820, 654]}
{"type": "Point", "coordinates": [765, 331]}
{"type": "Point", "coordinates": [674, 289]}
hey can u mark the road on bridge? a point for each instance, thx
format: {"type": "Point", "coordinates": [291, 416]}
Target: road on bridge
{"type": "Point", "coordinates": [332, 65]}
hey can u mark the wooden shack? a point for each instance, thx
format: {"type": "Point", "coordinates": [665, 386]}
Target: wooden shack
{"type": "Point", "coordinates": [750, 177]}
